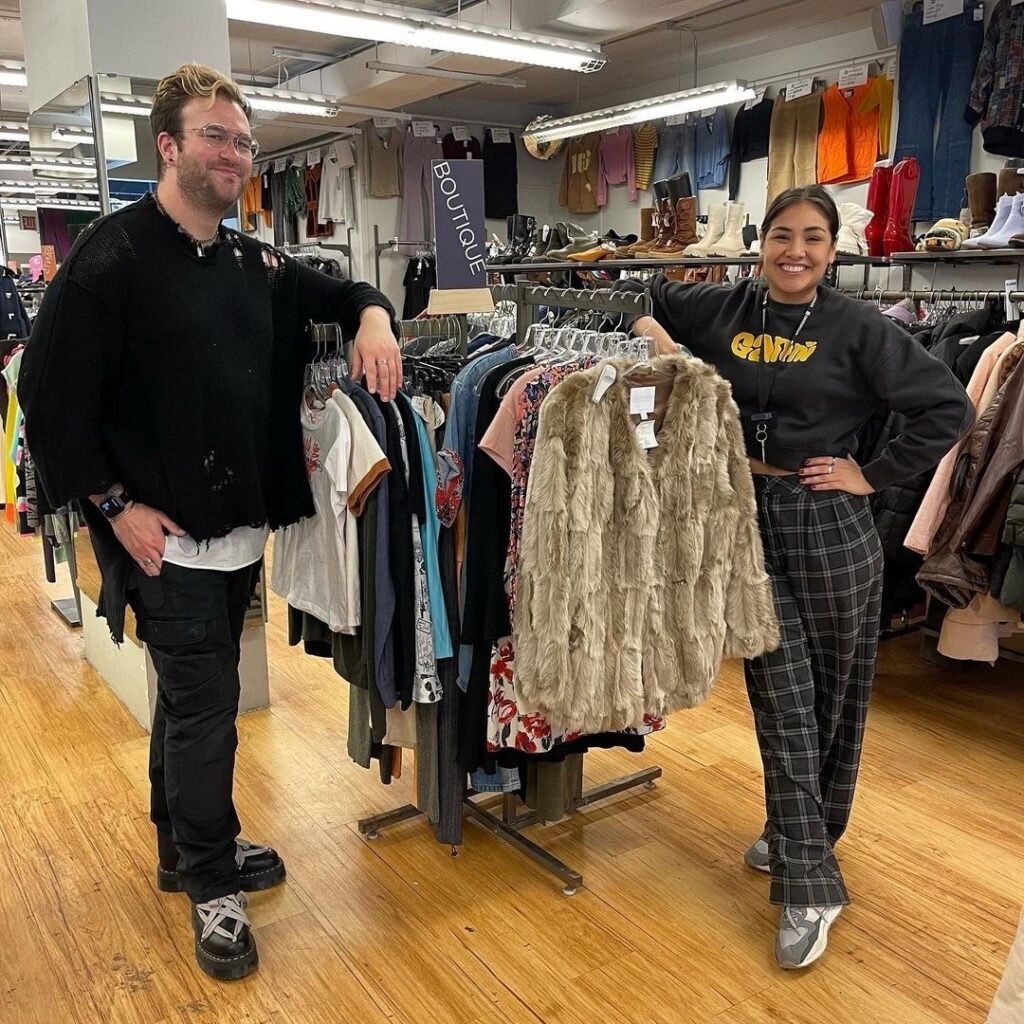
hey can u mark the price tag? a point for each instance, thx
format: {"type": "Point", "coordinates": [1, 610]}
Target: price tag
{"type": "Point", "coordinates": [850, 78]}
{"type": "Point", "coordinates": [611, 131]}
{"type": "Point", "coordinates": [313, 157]}
{"type": "Point", "coordinates": [641, 401]}
{"type": "Point", "coordinates": [979, 10]}
{"type": "Point", "coordinates": [891, 72]}
{"type": "Point", "coordinates": [645, 435]}
{"type": "Point", "coordinates": [384, 122]}
{"type": "Point", "coordinates": [801, 87]}
{"type": "Point", "coordinates": [460, 132]}
{"type": "Point", "coordinates": [280, 165]}
{"type": "Point", "coordinates": [757, 98]}
{"type": "Point", "coordinates": [501, 135]}
{"type": "Point", "coordinates": [1011, 307]}
{"type": "Point", "coordinates": [674, 119]}
{"type": "Point", "coordinates": [940, 10]}
{"type": "Point", "coordinates": [423, 129]}
{"type": "Point", "coordinates": [709, 112]}
{"type": "Point", "coordinates": [604, 382]}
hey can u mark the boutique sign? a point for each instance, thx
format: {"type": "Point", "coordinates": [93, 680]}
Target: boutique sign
{"type": "Point", "coordinates": [459, 237]}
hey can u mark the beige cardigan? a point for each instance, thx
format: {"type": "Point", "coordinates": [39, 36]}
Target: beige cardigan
{"type": "Point", "coordinates": [639, 571]}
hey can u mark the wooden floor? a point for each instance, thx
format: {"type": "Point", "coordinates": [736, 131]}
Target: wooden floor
{"type": "Point", "coordinates": [670, 928]}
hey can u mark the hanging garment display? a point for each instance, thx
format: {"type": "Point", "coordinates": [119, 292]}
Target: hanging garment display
{"type": "Point", "coordinates": [879, 96]}
{"type": "Point", "coordinates": [313, 181]}
{"type": "Point", "coordinates": [382, 161]}
{"type": "Point", "coordinates": [467, 149]}
{"type": "Point", "coordinates": [336, 201]}
{"type": "Point", "coordinates": [617, 163]}
{"type": "Point", "coordinates": [997, 90]}
{"type": "Point", "coordinates": [605, 649]}
{"type": "Point", "coordinates": [793, 143]}
{"type": "Point", "coordinates": [252, 203]}
{"type": "Point", "coordinates": [501, 175]}
{"type": "Point", "coordinates": [419, 280]}
{"type": "Point", "coordinates": [848, 140]}
{"type": "Point", "coordinates": [580, 174]}
{"type": "Point", "coordinates": [711, 149]}
{"type": "Point", "coordinates": [414, 218]}
{"type": "Point", "coordinates": [937, 62]}
{"type": "Point", "coordinates": [750, 132]}
{"type": "Point", "coordinates": [267, 197]}
{"type": "Point", "coordinates": [294, 202]}
{"type": "Point", "coordinates": [645, 146]}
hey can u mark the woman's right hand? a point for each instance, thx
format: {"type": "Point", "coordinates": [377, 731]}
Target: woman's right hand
{"type": "Point", "coordinates": [661, 343]}
{"type": "Point", "coordinates": [140, 529]}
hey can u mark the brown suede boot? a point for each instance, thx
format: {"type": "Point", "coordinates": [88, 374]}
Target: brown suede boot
{"type": "Point", "coordinates": [1010, 182]}
{"type": "Point", "coordinates": [981, 198]}
{"type": "Point", "coordinates": [686, 221]}
{"type": "Point", "coordinates": [662, 224]}
{"type": "Point", "coordinates": [670, 248]}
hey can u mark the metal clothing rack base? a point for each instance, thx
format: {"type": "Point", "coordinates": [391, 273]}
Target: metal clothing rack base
{"type": "Point", "coordinates": [508, 827]}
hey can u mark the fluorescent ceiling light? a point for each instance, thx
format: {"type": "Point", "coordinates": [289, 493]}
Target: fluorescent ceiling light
{"type": "Point", "coordinates": [462, 76]}
{"type": "Point", "coordinates": [12, 73]}
{"type": "Point", "coordinates": [311, 55]}
{"type": "Point", "coordinates": [13, 132]}
{"type": "Point", "coordinates": [283, 101]}
{"type": "Point", "coordinates": [68, 204]}
{"type": "Point", "coordinates": [80, 136]}
{"type": "Point", "coordinates": [67, 168]}
{"type": "Point", "coordinates": [413, 28]}
{"type": "Point", "coordinates": [123, 103]}
{"type": "Point", "coordinates": [15, 163]}
{"type": "Point", "coordinates": [719, 95]}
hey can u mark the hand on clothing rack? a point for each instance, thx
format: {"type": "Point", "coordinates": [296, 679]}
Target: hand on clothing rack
{"type": "Point", "coordinates": [376, 354]}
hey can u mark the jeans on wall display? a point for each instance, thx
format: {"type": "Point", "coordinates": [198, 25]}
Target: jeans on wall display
{"type": "Point", "coordinates": [676, 153]}
{"type": "Point", "coordinates": [937, 63]}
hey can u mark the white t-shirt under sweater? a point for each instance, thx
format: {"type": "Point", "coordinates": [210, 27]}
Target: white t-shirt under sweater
{"type": "Point", "coordinates": [316, 560]}
{"type": "Point", "coordinates": [241, 547]}
{"type": "Point", "coordinates": [336, 202]}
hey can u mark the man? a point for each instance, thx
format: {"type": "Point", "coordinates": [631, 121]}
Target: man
{"type": "Point", "coordinates": [163, 383]}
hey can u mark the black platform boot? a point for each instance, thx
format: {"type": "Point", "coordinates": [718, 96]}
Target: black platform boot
{"type": "Point", "coordinates": [225, 947]}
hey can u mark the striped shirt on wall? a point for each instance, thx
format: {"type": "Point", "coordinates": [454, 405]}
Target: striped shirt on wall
{"type": "Point", "coordinates": [645, 142]}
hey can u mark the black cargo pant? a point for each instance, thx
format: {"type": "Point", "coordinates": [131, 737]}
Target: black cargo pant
{"type": "Point", "coordinates": [191, 620]}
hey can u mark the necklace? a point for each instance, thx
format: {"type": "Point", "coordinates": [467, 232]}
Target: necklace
{"type": "Point", "coordinates": [201, 245]}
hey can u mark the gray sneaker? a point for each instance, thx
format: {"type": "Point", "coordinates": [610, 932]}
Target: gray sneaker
{"type": "Point", "coordinates": [757, 857]}
{"type": "Point", "coordinates": [803, 935]}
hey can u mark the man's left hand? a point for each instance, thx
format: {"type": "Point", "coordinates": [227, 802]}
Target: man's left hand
{"type": "Point", "coordinates": [376, 354]}
{"type": "Point", "coordinates": [830, 474]}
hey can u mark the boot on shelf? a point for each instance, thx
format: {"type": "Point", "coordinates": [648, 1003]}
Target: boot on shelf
{"type": "Point", "coordinates": [684, 230]}
{"type": "Point", "coordinates": [539, 245]}
{"type": "Point", "coordinates": [646, 233]}
{"type": "Point", "coordinates": [666, 247]}
{"type": "Point", "coordinates": [712, 233]}
{"type": "Point", "coordinates": [902, 194]}
{"type": "Point", "coordinates": [557, 238]}
{"type": "Point", "coordinates": [1010, 181]}
{"type": "Point", "coordinates": [730, 242]}
{"type": "Point", "coordinates": [1013, 225]}
{"type": "Point", "coordinates": [578, 240]}
{"type": "Point", "coordinates": [521, 231]}
{"type": "Point", "coordinates": [644, 246]}
{"type": "Point", "coordinates": [853, 219]}
{"type": "Point", "coordinates": [878, 204]}
{"type": "Point", "coordinates": [981, 200]}
{"type": "Point", "coordinates": [1003, 210]}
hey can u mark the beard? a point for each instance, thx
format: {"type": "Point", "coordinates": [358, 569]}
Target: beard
{"type": "Point", "coordinates": [201, 188]}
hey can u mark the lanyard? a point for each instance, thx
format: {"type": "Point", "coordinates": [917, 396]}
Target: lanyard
{"type": "Point", "coordinates": [764, 388]}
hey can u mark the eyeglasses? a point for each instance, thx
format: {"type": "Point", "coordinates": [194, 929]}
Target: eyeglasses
{"type": "Point", "coordinates": [217, 137]}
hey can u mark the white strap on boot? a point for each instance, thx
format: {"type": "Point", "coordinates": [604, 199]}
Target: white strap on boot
{"type": "Point", "coordinates": [227, 908]}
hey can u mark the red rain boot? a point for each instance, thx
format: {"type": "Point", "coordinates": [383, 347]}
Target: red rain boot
{"type": "Point", "coordinates": [902, 194]}
{"type": "Point", "coordinates": [878, 204]}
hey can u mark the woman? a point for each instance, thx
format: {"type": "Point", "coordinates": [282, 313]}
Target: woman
{"type": "Point", "coordinates": [809, 367]}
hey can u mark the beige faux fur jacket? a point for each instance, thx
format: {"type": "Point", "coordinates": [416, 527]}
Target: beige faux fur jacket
{"type": "Point", "coordinates": [639, 570]}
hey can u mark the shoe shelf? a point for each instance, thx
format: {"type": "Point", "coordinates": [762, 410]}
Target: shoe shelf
{"type": "Point", "coordinates": [845, 260]}
{"type": "Point", "coordinates": [979, 256]}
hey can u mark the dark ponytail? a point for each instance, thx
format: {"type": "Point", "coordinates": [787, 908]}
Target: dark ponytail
{"type": "Point", "coordinates": [813, 194]}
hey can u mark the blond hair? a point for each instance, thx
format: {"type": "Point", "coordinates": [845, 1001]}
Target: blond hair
{"type": "Point", "coordinates": [189, 82]}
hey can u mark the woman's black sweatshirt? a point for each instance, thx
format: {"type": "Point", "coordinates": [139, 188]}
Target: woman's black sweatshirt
{"type": "Point", "coordinates": [848, 364]}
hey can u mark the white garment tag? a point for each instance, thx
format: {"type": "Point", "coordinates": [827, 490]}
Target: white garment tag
{"type": "Point", "coordinates": [674, 119]}
{"type": "Point", "coordinates": [891, 71]}
{"type": "Point", "coordinates": [641, 401]}
{"type": "Point", "coordinates": [280, 165]}
{"type": "Point", "coordinates": [604, 382]}
{"type": "Point", "coordinates": [709, 112]}
{"type": "Point", "coordinates": [801, 87]}
{"type": "Point", "coordinates": [1011, 307]}
{"type": "Point", "coordinates": [645, 435]}
{"type": "Point", "coordinates": [940, 10]}
{"type": "Point", "coordinates": [313, 158]}
{"type": "Point", "coordinates": [423, 129]}
{"type": "Point", "coordinates": [850, 78]}
{"type": "Point", "coordinates": [611, 131]}
{"type": "Point", "coordinates": [979, 10]}
{"type": "Point", "coordinates": [384, 122]}
{"type": "Point", "coordinates": [501, 135]}
{"type": "Point", "coordinates": [757, 98]}
{"type": "Point", "coordinates": [460, 133]}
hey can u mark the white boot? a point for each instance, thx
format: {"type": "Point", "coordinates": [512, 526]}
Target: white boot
{"type": "Point", "coordinates": [712, 233]}
{"type": "Point", "coordinates": [853, 219]}
{"type": "Point", "coordinates": [1013, 225]}
{"type": "Point", "coordinates": [1003, 208]}
{"type": "Point", "coordinates": [731, 241]}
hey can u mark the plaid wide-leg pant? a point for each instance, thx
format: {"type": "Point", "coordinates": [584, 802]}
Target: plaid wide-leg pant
{"type": "Point", "coordinates": [810, 697]}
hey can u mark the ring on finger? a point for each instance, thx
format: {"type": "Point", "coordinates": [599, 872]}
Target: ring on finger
{"type": "Point", "coordinates": [147, 561]}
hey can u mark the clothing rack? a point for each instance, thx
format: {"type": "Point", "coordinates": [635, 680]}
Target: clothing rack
{"type": "Point", "coordinates": [393, 243]}
{"type": "Point", "coordinates": [879, 57]}
{"type": "Point", "coordinates": [317, 143]}
{"type": "Point", "coordinates": [441, 327]}
{"type": "Point", "coordinates": [508, 825]}
{"type": "Point", "coordinates": [345, 248]}
{"type": "Point", "coordinates": [932, 295]}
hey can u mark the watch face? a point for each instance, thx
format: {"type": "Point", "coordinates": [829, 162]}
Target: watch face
{"type": "Point", "coordinates": [112, 506]}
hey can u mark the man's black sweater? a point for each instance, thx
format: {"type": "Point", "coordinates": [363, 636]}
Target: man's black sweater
{"type": "Point", "coordinates": [178, 373]}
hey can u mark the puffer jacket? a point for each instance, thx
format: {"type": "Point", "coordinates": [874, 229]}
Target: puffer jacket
{"type": "Point", "coordinates": [960, 563]}
{"type": "Point", "coordinates": [1012, 592]}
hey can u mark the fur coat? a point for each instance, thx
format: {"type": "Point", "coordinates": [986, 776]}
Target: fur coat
{"type": "Point", "coordinates": [639, 571]}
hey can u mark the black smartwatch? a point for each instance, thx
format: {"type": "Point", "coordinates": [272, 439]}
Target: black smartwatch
{"type": "Point", "coordinates": [115, 502]}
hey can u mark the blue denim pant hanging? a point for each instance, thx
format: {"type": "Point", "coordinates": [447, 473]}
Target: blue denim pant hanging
{"type": "Point", "coordinates": [937, 63]}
